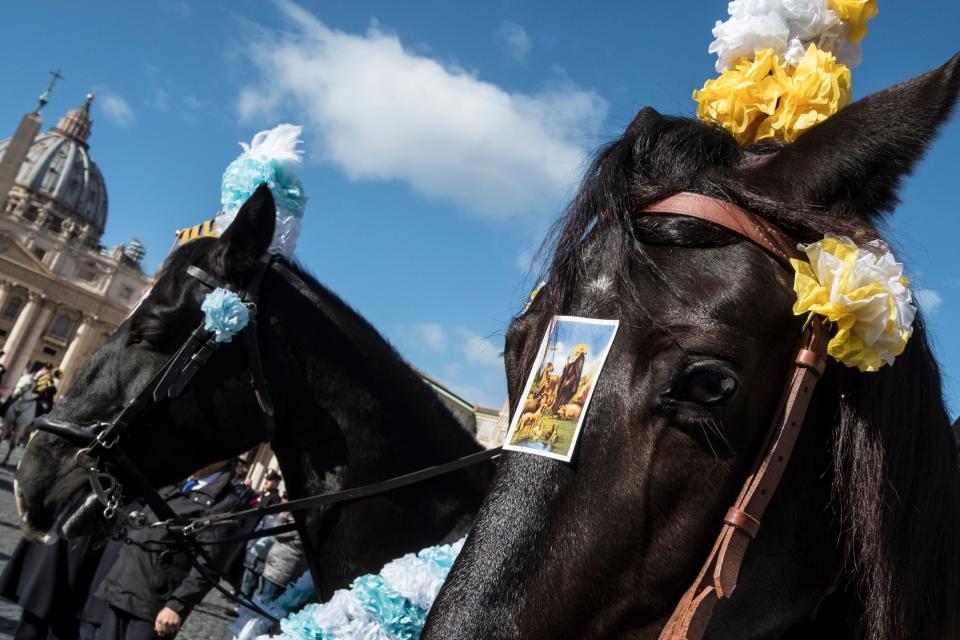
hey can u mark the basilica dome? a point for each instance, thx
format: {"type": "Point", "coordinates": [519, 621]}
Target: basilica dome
{"type": "Point", "coordinates": [59, 167]}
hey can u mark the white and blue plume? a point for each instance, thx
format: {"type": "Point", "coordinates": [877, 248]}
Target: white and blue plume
{"type": "Point", "coordinates": [269, 158]}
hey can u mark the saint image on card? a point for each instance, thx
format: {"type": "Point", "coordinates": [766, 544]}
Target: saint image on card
{"type": "Point", "coordinates": [557, 394]}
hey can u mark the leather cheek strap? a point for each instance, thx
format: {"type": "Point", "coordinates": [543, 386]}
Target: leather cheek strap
{"type": "Point", "coordinates": [718, 577]}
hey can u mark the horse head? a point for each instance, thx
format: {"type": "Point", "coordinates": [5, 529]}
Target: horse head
{"type": "Point", "coordinates": [216, 416]}
{"type": "Point", "coordinates": [863, 528]}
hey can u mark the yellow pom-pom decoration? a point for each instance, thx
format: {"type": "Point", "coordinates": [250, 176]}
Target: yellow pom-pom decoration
{"type": "Point", "coordinates": [764, 98]}
{"type": "Point", "coordinates": [864, 292]}
{"type": "Point", "coordinates": [743, 96]}
{"type": "Point", "coordinates": [855, 14]}
{"type": "Point", "coordinates": [818, 87]}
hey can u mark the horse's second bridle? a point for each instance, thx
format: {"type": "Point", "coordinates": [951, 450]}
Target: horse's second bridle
{"type": "Point", "coordinates": [717, 578]}
{"type": "Point", "coordinates": [100, 451]}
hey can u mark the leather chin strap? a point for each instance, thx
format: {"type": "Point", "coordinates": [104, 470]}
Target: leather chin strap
{"type": "Point", "coordinates": [717, 579]}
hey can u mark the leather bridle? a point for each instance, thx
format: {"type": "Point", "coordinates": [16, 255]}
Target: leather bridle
{"type": "Point", "coordinates": [717, 579]}
{"type": "Point", "coordinates": [101, 456]}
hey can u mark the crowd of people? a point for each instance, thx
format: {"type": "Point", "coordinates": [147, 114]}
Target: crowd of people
{"type": "Point", "coordinates": [144, 585]}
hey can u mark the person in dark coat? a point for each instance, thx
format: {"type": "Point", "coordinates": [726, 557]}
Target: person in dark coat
{"type": "Point", "coordinates": [152, 587]}
{"type": "Point", "coordinates": [570, 378]}
{"type": "Point", "coordinates": [50, 582]}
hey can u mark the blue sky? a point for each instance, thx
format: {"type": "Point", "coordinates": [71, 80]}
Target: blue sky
{"type": "Point", "coordinates": [442, 138]}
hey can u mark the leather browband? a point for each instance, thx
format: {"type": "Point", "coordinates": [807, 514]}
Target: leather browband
{"type": "Point", "coordinates": [718, 576]}
{"type": "Point", "coordinates": [730, 217]}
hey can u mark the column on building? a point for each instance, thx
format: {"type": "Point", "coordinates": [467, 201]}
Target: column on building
{"type": "Point", "coordinates": [79, 350]}
{"type": "Point", "coordinates": [5, 288]}
{"type": "Point", "coordinates": [21, 327]}
{"type": "Point", "coordinates": [33, 320]}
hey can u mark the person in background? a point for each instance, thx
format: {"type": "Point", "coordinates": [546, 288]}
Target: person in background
{"type": "Point", "coordinates": [24, 383]}
{"type": "Point", "coordinates": [152, 588]}
{"type": "Point", "coordinates": [50, 582]}
{"type": "Point", "coordinates": [256, 549]}
{"type": "Point", "coordinates": [46, 389]}
{"type": "Point", "coordinates": [286, 561]}
{"type": "Point", "coordinates": [269, 493]}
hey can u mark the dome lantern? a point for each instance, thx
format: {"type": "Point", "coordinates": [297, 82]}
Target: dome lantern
{"type": "Point", "coordinates": [76, 123]}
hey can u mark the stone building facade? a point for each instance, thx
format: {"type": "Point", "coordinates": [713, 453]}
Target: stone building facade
{"type": "Point", "coordinates": [61, 292]}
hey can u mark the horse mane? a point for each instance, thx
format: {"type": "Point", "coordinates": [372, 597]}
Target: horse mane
{"type": "Point", "coordinates": [895, 487]}
{"type": "Point", "coordinates": [405, 382]}
{"type": "Point", "coordinates": [390, 373]}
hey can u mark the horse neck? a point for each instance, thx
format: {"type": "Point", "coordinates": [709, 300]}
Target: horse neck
{"type": "Point", "coordinates": [356, 378]}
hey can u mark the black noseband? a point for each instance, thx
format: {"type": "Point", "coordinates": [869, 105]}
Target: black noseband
{"type": "Point", "coordinates": [72, 433]}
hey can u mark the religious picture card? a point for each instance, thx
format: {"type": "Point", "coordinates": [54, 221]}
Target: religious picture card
{"type": "Point", "coordinates": [557, 395]}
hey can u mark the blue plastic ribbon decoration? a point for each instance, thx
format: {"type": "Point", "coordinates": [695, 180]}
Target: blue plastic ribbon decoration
{"type": "Point", "coordinates": [225, 314]}
{"type": "Point", "coordinates": [269, 159]}
{"type": "Point", "coordinates": [391, 605]}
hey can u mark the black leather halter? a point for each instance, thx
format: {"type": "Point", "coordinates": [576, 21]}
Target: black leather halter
{"type": "Point", "coordinates": [101, 456]}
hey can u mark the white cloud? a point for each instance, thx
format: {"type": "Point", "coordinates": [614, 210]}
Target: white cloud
{"type": "Point", "coordinates": [116, 109]}
{"type": "Point", "coordinates": [479, 350]}
{"type": "Point", "coordinates": [928, 299]}
{"type": "Point", "coordinates": [159, 97]}
{"type": "Point", "coordinates": [431, 335]}
{"type": "Point", "coordinates": [177, 7]}
{"type": "Point", "coordinates": [525, 261]}
{"type": "Point", "coordinates": [193, 102]}
{"type": "Point", "coordinates": [514, 39]}
{"type": "Point", "coordinates": [380, 111]}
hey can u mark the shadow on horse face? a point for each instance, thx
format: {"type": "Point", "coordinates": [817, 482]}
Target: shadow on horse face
{"type": "Point", "coordinates": [607, 545]}
{"type": "Point", "coordinates": [215, 418]}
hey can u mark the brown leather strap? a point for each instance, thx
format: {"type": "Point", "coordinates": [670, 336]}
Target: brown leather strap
{"type": "Point", "coordinates": [730, 217]}
{"type": "Point", "coordinates": [717, 578]}
{"type": "Point", "coordinates": [743, 521]}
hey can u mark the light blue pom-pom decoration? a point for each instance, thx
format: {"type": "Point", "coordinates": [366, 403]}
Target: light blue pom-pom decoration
{"type": "Point", "coordinates": [391, 605]}
{"type": "Point", "coordinates": [225, 314]}
{"type": "Point", "coordinates": [246, 173]}
{"type": "Point", "coordinates": [269, 159]}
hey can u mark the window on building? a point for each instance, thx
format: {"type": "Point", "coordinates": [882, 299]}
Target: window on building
{"type": "Point", "coordinates": [49, 351]}
{"type": "Point", "coordinates": [30, 213]}
{"type": "Point", "coordinates": [39, 252]}
{"type": "Point", "coordinates": [61, 326]}
{"type": "Point", "coordinates": [87, 272]}
{"type": "Point", "coordinates": [54, 223]}
{"type": "Point", "coordinates": [13, 308]}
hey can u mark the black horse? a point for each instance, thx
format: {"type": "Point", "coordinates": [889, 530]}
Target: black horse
{"type": "Point", "coordinates": [349, 411]}
{"type": "Point", "coordinates": [862, 538]}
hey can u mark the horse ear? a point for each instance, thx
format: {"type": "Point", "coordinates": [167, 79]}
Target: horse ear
{"type": "Point", "coordinates": [249, 235]}
{"type": "Point", "coordinates": [854, 161]}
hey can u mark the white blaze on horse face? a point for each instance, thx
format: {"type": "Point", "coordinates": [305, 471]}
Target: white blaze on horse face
{"type": "Point", "coordinates": [599, 288]}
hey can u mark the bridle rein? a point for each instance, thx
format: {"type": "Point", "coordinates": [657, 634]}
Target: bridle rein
{"type": "Point", "coordinates": [717, 579]}
{"type": "Point", "coordinates": [99, 442]}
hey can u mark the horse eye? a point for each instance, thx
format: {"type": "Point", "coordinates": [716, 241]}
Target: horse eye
{"type": "Point", "coordinates": [709, 386]}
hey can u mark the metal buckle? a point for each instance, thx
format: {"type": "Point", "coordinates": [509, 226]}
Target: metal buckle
{"type": "Point", "coordinates": [107, 488]}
